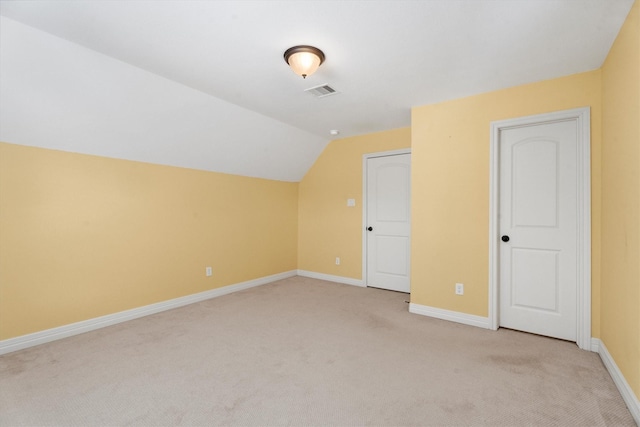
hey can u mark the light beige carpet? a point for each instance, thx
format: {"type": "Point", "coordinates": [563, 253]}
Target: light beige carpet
{"type": "Point", "coordinates": [306, 352]}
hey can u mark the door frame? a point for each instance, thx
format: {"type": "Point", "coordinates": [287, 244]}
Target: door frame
{"type": "Point", "coordinates": [582, 116]}
{"type": "Point", "coordinates": [366, 157]}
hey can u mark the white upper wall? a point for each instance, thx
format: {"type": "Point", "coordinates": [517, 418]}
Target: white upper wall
{"type": "Point", "coordinates": [203, 84]}
{"type": "Point", "coordinates": [56, 94]}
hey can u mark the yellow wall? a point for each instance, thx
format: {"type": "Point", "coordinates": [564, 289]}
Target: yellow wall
{"type": "Point", "coordinates": [450, 187]}
{"type": "Point", "coordinates": [621, 200]}
{"type": "Point", "coordinates": [327, 227]}
{"type": "Point", "coordinates": [86, 236]}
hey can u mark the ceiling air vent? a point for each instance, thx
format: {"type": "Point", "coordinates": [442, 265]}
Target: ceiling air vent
{"type": "Point", "coordinates": [321, 91]}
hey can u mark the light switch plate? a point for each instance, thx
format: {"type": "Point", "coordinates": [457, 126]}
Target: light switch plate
{"type": "Point", "coordinates": [351, 202]}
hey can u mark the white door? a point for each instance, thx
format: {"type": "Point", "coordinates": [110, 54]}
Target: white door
{"type": "Point", "coordinates": [538, 229]}
{"type": "Point", "coordinates": [388, 222]}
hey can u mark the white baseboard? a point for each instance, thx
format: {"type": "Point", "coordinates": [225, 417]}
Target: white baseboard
{"type": "Point", "coordinates": [48, 335]}
{"type": "Point", "coordinates": [627, 393]}
{"type": "Point", "coordinates": [452, 316]}
{"type": "Point", "coordinates": [331, 278]}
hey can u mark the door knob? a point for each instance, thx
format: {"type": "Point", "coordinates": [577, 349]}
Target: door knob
{"type": "Point", "coordinates": [505, 238]}
{"type": "Point", "coordinates": [370, 228]}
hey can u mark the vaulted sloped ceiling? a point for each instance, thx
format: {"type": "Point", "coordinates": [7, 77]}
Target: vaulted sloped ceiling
{"type": "Point", "coordinates": [203, 84]}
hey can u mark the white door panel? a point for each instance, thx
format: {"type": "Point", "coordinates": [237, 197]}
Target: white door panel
{"type": "Point", "coordinates": [389, 217]}
{"type": "Point", "coordinates": [538, 265]}
{"type": "Point", "coordinates": [535, 183]}
{"type": "Point", "coordinates": [531, 267]}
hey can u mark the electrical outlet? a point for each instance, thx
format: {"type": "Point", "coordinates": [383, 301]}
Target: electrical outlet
{"type": "Point", "coordinates": [459, 289]}
{"type": "Point", "coordinates": [337, 260]}
{"type": "Point", "coordinates": [209, 271]}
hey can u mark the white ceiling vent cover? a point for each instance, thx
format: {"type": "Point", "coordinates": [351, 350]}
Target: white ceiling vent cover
{"type": "Point", "coordinates": [321, 91]}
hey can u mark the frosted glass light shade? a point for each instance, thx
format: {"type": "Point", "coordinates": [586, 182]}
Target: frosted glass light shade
{"type": "Point", "coordinates": [304, 60]}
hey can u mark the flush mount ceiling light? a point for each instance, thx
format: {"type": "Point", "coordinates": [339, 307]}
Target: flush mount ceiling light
{"type": "Point", "coordinates": [304, 60]}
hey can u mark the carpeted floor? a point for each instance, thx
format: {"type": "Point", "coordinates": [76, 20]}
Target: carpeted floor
{"type": "Point", "coordinates": [306, 352]}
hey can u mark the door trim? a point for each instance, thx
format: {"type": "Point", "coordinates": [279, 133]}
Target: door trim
{"type": "Point", "coordinates": [582, 117]}
{"type": "Point", "coordinates": [366, 157]}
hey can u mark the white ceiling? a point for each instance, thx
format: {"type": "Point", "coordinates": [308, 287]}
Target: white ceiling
{"type": "Point", "coordinates": [203, 84]}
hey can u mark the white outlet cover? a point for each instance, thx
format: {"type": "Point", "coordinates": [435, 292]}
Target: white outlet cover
{"type": "Point", "coordinates": [351, 202]}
